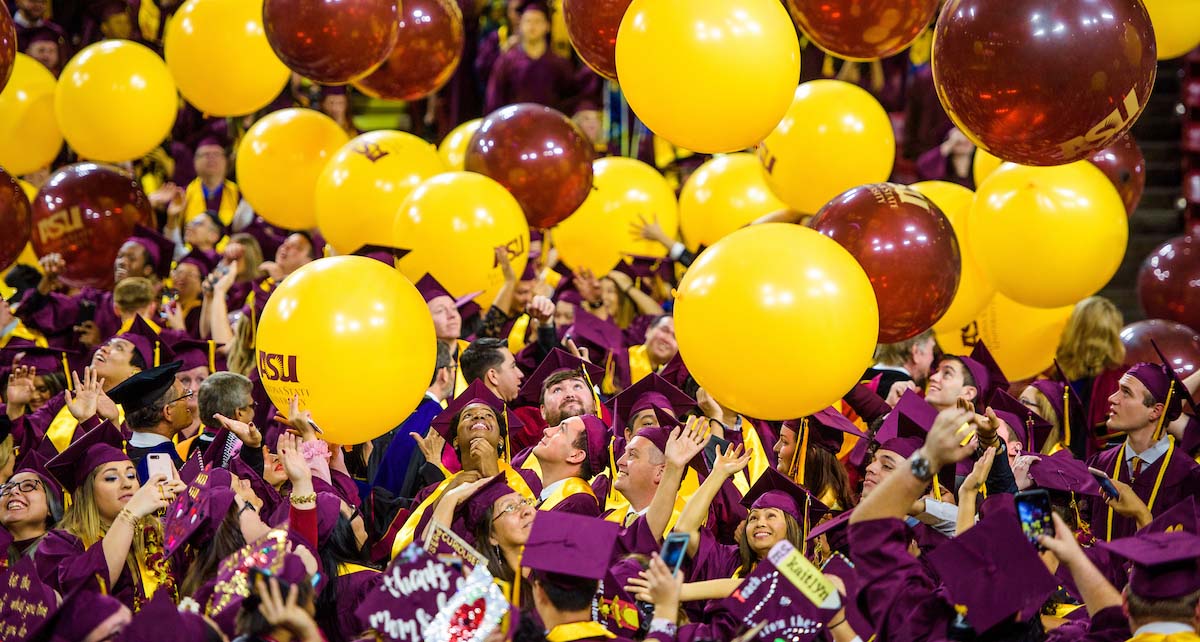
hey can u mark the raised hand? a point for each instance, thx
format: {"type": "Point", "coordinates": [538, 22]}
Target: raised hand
{"type": "Point", "coordinates": [299, 420]}
{"type": "Point", "coordinates": [293, 462]}
{"type": "Point", "coordinates": [82, 404]}
{"type": "Point", "coordinates": [246, 432]}
{"type": "Point", "coordinates": [157, 494]}
{"type": "Point", "coordinates": [979, 473]}
{"type": "Point", "coordinates": [285, 612]}
{"type": "Point", "coordinates": [52, 266]}
{"type": "Point", "coordinates": [943, 444]}
{"type": "Point", "coordinates": [89, 333]}
{"type": "Point", "coordinates": [431, 445]}
{"type": "Point", "coordinates": [732, 461]}
{"type": "Point", "coordinates": [686, 442]}
{"type": "Point", "coordinates": [505, 264]}
{"type": "Point", "coordinates": [21, 386]}
{"type": "Point", "coordinates": [541, 309]}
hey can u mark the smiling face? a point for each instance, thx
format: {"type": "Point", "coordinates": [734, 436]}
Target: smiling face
{"type": "Point", "coordinates": [765, 527]}
{"type": "Point", "coordinates": [660, 341]}
{"type": "Point", "coordinates": [23, 511]}
{"type": "Point", "coordinates": [477, 421]}
{"type": "Point", "coordinates": [132, 260]}
{"type": "Point", "coordinates": [293, 254]}
{"type": "Point", "coordinates": [113, 362]}
{"type": "Point", "coordinates": [884, 463]}
{"type": "Point", "coordinates": [567, 398]}
{"type": "Point", "coordinates": [512, 519]}
{"type": "Point", "coordinates": [1131, 407]}
{"type": "Point", "coordinates": [114, 486]}
{"type": "Point", "coordinates": [639, 471]}
{"type": "Point", "coordinates": [557, 445]}
{"type": "Point", "coordinates": [947, 385]}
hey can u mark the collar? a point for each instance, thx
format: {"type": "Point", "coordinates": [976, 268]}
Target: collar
{"type": "Point", "coordinates": [1151, 454]}
{"type": "Point", "coordinates": [578, 631]}
{"type": "Point", "coordinates": [1164, 628]}
{"type": "Point", "coordinates": [881, 366]}
{"type": "Point", "coordinates": [551, 489]}
{"type": "Point", "coordinates": [8, 329]}
{"type": "Point", "coordinates": [146, 439]}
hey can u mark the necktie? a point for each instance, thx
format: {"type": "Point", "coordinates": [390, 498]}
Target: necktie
{"type": "Point", "coordinates": [1135, 467]}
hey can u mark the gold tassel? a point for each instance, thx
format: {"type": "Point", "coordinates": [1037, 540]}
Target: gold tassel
{"type": "Point", "coordinates": [212, 356]}
{"type": "Point", "coordinates": [1066, 418]}
{"type": "Point", "coordinates": [67, 371]}
{"type": "Point", "coordinates": [1162, 419]}
{"type": "Point", "coordinates": [800, 457]}
{"type": "Point", "coordinates": [156, 346]}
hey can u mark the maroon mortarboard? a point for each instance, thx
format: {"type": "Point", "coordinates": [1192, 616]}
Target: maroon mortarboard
{"type": "Point", "coordinates": [567, 292]}
{"type": "Point", "coordinates": [446, 422]}
{"type": "Point", "coordinates": [601, 336]}
{"type": "Point", "coordinates": [596, 434]}
{"type": "Point", "coordinates": [198, 512]}
{"type": "Point", "coordinates": [825, 429]}
{"type": "Point", "coordinates": [984, 371]}
{"type": "Point", "coordinates": [1025, 423]}
{"type": "Point", "coordinates": [774, 490]}
{"type": "Point", "coordinates": [676, 372]}
{"type": "Point", "coordinates": [159, 249]}
{"type": "Point", "coordinates": [147, 342]}
{"type": "Point", "coordinates": [1065, 402]}
{"type": "Point", "coordinates": [261, 488]}
{"type": "Point", "coordinates": [160, 614]}
{"type": "Point", "coordinates": [382, 253]}
{"type": "Point", "coordinates": [910, 419]}
{"type": "Point", "coordinates": [46, 360]}
{"type": "Point", "coordinates": [195, 354]}
{"type": "Point", "coordinates": [1166, 566]}
{"type": "Point", "coordinates": [1177, 392]}
{"type": "Point", "coordinates": [533, 5]}
{"type": "Point", "coordinates": [557, 361]}
{"type": "Point", "coordinates": [44, 34]}
{"type": "Point", "coordinates": [81, 611]}
{"type": "Point", "coordinates": [430, 289]}
{"type": "Point", "coordinates": [651, 391]}
{"type": "Point", "coordinates": [275, 430]}
{"type": "Point", "coordinates": [1184, 516]}
{"type": "Point", "coordinates": [203, 260]}
{"type": "Point", "coordinates": [212, 141]}
{"type": "Point", "coordinates": [98, 446]}
{"type": "Point", "coordinates": [472, 511]}
{"type": "Point", "coordinates": [659, 435]}
{"type": "Point", "coordinates": [645, 267]}
{"type": "Point", "coordinates": [565, 544]}
{"type": "Point", "coordinates": [993, 570]}
{"type": "Point", "coordinates": [271, 554]}
{"type": "Point", "coordinates": [1064, 473]}
{"type": "Point", "coordinates": [531, 270]}
{"type": "Point", "coordinates": [34, 462]}
{"type": "Point", "coordinates": [835, 531]}
{"type": "Point", "coordinates": [20, 584]}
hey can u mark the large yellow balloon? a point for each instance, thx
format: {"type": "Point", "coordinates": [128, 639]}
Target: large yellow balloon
{"type": "Point", "coordinates": [453, 149]}
{"type": "Point", "coordinates": [722, 195]}
{"type": "Point", "coordinates": [1048, 236]}
{"type": "Point", "coordinates": [1022, 339]}
{"type": "Point", "coordinates": [1176, 26]}
{"type": "Point", "coordinates": [708, 75]}
{"type": "Point", "coordinates": [29, 136]}
{"type": "Point", "coordinates": [218, 52]}
{"type": "Point", "coordinates": [364, 185]}
{"type": "Point", "coordinates": [279, 161]}
{"type": "Point", "coordinates": [453, 224]}
{"type": "Point", "coordinates": [753, 288]}
{"type": "Point", "coordinates": [975, 291]}
{"type": "Point", "coordinates": [598, 234]}
{"type": "Point", "coordinates": [983, 165]}
{"type": "Point", "coordinates": [340, 315]}
{"type": "Point", "coordinates": [835, 136]}
{"type": "Point", "coordinates": [115, 101]}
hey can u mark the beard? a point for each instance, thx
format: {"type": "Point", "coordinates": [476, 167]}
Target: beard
{"type": "Point", "coordinates": [571, 408]}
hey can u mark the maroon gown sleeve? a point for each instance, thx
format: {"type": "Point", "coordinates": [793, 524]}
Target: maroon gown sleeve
{"type": "Point", "coordinates": [866, 403]}
{"type": "Point", "coordinates": [29, 429]}
{"type": "Point", "coordinates": [713, 560]}
{"type": "Point", "coordinates": [304, 524]}
{"type": "Point", "coordinates": [896, 592]}
{"type": "Point", "coordinates": [579, 504]}
{"type": "Point", "coordinates": [63, 563]}
{"type": "Point", "coordinates": [1108, 625]}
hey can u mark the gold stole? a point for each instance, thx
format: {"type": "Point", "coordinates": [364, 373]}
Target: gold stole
{"type": "Point", "coordinates": [22, 332]}
{"type": "Point", "coordinates": [63, 426]}
{"type": "Point", "coordinates": [350, 568]}
{"type": "Point", "coordinates": [571, 486]}
{"type": "Point", "coordinates": [639, 364]}
{"type": "Point", "coordinates": [1116, 474]}
{"type": "Point", "coordinates": [194, 202]}
{"type": "Point", "coordinates": [578, 631]}
{"type": "Point", "coordinates": [758, 458]}
{"type": "Point", "coordinates": [1159, 637]}
{"type": "Point", "coordinates": [516, 336]}
{"type": "Point", "coordinates": [460, 384]}
{"type": "Point", "coordinates": [621, 508]}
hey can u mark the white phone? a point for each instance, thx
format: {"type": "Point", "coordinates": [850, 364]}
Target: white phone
{"type": "Point", "coordinates": [160, 464]}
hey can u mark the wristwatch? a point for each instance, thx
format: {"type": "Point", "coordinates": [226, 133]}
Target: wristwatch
{"type": "Point", "coordinates": [919, 464]}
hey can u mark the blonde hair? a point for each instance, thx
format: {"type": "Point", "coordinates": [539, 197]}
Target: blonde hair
{"type": "Point", "coordinates": [897, 354]}
{"type": "Point", "coordinates": [242, 356]}
{"type": "Point", "coordinates": [252, 256]}
{"type": "Point", "coordinates": [1091, 341]}
{"type": "Point", "coordinates": [1046, 411]}
{"type": "Point", "coordinates": [133, 294]}
{"type": "Point", "coordinates": [83, 520]}
{"type": "Point", "coordinates": [6, 453]}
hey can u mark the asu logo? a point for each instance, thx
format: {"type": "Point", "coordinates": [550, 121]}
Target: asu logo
{"type": "Point", "coordinates": [970, 334]}
{"type": "Point", "coordinates": [372, 151]}
{"type": "Point", "coordinates": [60, 224]}
{"type": "Point", "coordinates": [513, 248]}
{"type": "Point", "coordinates": [1105, 130]}
{"type": "Point", "coordinates": [278, 367]}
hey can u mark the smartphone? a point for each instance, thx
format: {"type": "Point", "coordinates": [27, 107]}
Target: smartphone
{"type": "Point", "coordinates": [674, 549]}
{"type": "Point", "coordinates": [87, 311]}
{"type": "Point", "coordinates": [1106, 486]}
{"type": "Point", "coordinates": [1035, 513]}
{"type": "Point", "coordinates": [714, 446]}
{"type": "Point", "coordinates": [160, 464]}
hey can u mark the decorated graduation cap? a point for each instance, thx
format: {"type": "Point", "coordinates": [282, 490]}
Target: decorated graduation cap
{"type": "Point", "coordinates": [21, 584]}
{"type": "Point", "coordinates": [431, 289]}
{"type": "Point", "coordinates": [557, 361]}
{"type": "Point", "coordinates": [1026, 424]}
{"type": "Point", "coordinates": [569, 550]}
{"type": "Point", "coordinates": [98, 446]}
{"type": "Point", "coordinates": [1166, 566]}
{"type": "Point", "coordinates": [272, 555]}
{"type": "Point", "coordinates": [650, 392]}
{"type": "Point", "coordinates": [446, 422]}
{"type": "Point", "coordinates": [146, 387]}
{"type": "Point", "coordinates": [193, 353]}
{"type": "Point", "coordinates": [203, 260]}
{"type": "Point", "coordinates": [159, 615]}
{"type": "Point", "coordinates": [198, 512]}
{"type": "Point", "coordinates": [147, 343]}
{"type": "Point", "coordinates": [774, 490]}
{"type": "Point", "coordinates": [992, 570]}
{"type": "Point", "coordinates": [825, 429]}
{"type": "Point", "coordinates": [160, 250]}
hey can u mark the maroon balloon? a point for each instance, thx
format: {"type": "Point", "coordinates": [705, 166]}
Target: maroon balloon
{"type": "Point", "coordinates": [1179, 343]}
{"type": "Point", "coordinates": [1124, 165]}
{"type": "Point", "coordinates": [427, 51]}
{"type": "Point", "coordinates": [332, 41]}
{"type": "Point", "coordinates": [592, 27]}
{"type": "Point", "coordinates": [85, 212]}
{"type": "Point", "coordinates": [862, 29]}
{"type": "Point", "coordinates": [1044, 82]}
{"type": "Point", "coordinates": [539, 155]}
{"type": "Point", "coordinates": [15, 219]}
{"type": "Point", "coordinates": [907, 248]}
{"type": "Point", "coordinates": [1169, 282]}
{"type": "Point", "coordinates": [8, 45]}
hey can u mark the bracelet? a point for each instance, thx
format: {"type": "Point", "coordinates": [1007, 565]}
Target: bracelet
{"type": "Point", "coordinates": [839, 623]}
{"type": "Point", "coordinates": [663, 625]}
{"type": "Point", "coordinates": [310, 498]}
{"type": "Point", "coordinates": [128, 516]}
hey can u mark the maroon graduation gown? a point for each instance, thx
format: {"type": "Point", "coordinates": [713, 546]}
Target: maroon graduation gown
{"type": "Point", "coordinates": [896, 592]}
{"type": "Point", "coordinates": [56, 315]}
{"type": "Point", "coordinates": [517, 78]}
{"type": "Point", "coordinates": [1180, 480]}
{"type": "Point", "coordinates": [63, 563]}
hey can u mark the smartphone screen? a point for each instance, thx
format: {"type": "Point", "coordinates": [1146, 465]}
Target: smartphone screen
{"type": "Point", "coordinates": [674, 550]}
{"type": "Point", "coordinates": [1033, 509]}
{"type": "Point", "coordinates": [160, 464]}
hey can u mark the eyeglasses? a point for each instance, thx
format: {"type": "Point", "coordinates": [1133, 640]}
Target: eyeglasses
{"type": "Point", "coordinates": [185, 395]}
{"type": "Point", "coordinates": [512, 508]}
{"type": "Point", "coordinates": [26, 486]}
{"type": "Point", "coordinates": [247, 507]}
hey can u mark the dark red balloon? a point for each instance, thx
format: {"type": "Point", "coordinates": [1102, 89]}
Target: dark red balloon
{"type": "Point", "coordinates": [1169, 282]}
{"type": "Point", "coordinates": [1044, 82]}
{"type": "Point", "coordinates": [1179, 343]}
{"type": "Point", "coordinates": [15, 219]}
{"type": "Point", "coordinates": [8, 45]}
{"type": "Point", "coordinates": [86, 212]}
{"type": "Point", "coordinates": [539, 155]}
{"type": "Point", "coordinates": [427, 52]}
{"type": "Point", "coordinates": [907, 248]}
{"type": "Point", "coordinates": [592, 27]}
{"type": "Point", "coordinates": [862, 29]}
{"type": "Point", "coordinates": [332, 41]}
{"type": "Point", "coordinates": [1124, 165]}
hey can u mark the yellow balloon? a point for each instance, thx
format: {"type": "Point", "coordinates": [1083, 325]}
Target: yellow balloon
{"type": "Point", "coordinates": [1048, 236]}
{"type": "Point", "coordinates": [279, 161]}
{"type": "Point", "coordinates": [624, 192]}
{"type": "Point", "coordinates": [115, 101]}
{"type": "Point", "coordinates": [453, 149]}
{"type": "Point", "coordinates": [371, 321]}
{"type": "Point", "coordinates": [975, 291]}
{"type": "Point", "coordinates": [835, 136]}
{"type": "Point", "coordinates": [363, 186]}
{"type": "Point", "coordinates": [782, 280]}
{"type": "Point", "coordinates": [709, 75]}
{"type": "Point", "coordinates": [722, 195]}
{"type": "Point", "coordinates": [983, 165]}
{"type": "Point", "coordinates": [220, 57]}
{"type": "Point", "coordinates": [1176, 26]}
{"type": "Point", "coordinates": [29, 136]}
{"type": "Point", "coordinates": [453, 224]}
{"type": "Point", "coordinates": [29, 189]}
{"type": "Point", "coordinates": [1022, 339]}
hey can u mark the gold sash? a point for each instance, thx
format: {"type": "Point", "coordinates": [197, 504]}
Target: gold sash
{"type": "Point", "coordinates": [572, 486]}
{"type": "Point", "coordinates": [22, 332]}
{"type": "Point", "coordinates": [63, 426]}
{"type": "Point", "coordinates": [578, 631]}
{"type": "Point", "coordinates": [1116, 474]}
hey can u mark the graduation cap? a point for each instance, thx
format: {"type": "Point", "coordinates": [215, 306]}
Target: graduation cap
{"type": "Point", "coordinates": [198, 512]}
{"type": "Point", "coordinates": [825, 429]}
{"type": "Point", "coordinates": [147, 342]}
{"type": "Point", "coordinates": [651, 391]}
{"type": "Point", "coordinates": [160, 614]}
{"type": "Point", "coordinates": [639, 266]}
{"type": "Point", "coordinates": [1165, 386]}
{"type": "Point", "coordinates": [774, 490]}
{"type": "Point", "coordinates": [21, 584]}
{"type": "Point", "coordinates": [1066, 404]}
{"type": "Point", "coordinates": [836, 532]}
{"type": "Point", "coordinates": [211, 140]}
{"type": "Point", "coordinates": [446, 422]}
{"type": "Point", "coordinates": [1025, 424]}
{"type": "Point", "coordinates": [676, 372]}
{"type": "Point", "coordinates": [596, 434]}
{"type": "Point", "coordinates": [270, 554]}
{"type": "Point", "coordinates": [566, 290]}
{"type": "Point", "coordinates": [1184, 516]}
{"type": "Point", "coordinates": [904, 431]}
{"type": "Point", "coordinates": [81, 611]}
{"type": "Point", "coordinates": [203, 260]}
{"type": "Point", "coordinates": [993, 570]}
{"type": "Point", "coordinates": [146, 387]}
{"type": "Point", "coordinates": [431, 289]}
{"type": "Point", "coordinates": [160, 250]}
{"type": "Point", "coordinates": [382, 253]}
{"type": "Point", "coordinates": [984, 370]}
{"type": "Point", "coordinates": [563, 547]}
{"type": "Point", "coordinates": [660, 434]}
{"type": "Point", "coordinates": [1165, 565]}
{"type": "Point", "coordinates": [557, 361]}
{"type": "Point", "coordinates": [603, 338]}
{"type": "Point", "coordinates": [193, 353]}
{"type": "Point", "coordinates": [471, 512]}
{"type": "Point", "coordinates": [1063, 473]}
{"type": "Point", "coordinates": [46, 360]}
{"type": "Point", "coordinates": [45, 33]}
{"type": "Point", "coordinates": [98, 446]}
